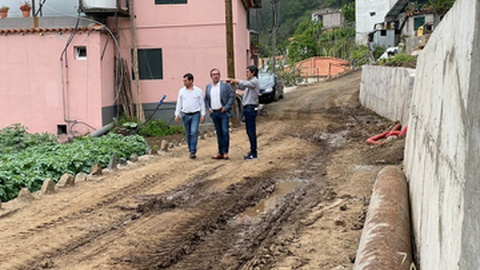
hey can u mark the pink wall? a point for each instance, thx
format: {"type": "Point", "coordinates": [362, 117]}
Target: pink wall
{"type": "Point", "coordinates": [31, 90]}
{"type": "Point", "coordinates": [241, 40]}
{"type": "Point", "coordinates": [192, 38]}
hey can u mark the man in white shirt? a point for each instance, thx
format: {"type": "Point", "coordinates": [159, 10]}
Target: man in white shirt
{"type": "Point", "coordinates": [191, 108]}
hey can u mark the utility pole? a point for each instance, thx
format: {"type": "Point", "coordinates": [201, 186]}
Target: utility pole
{"type": "Point", "coordinates": [274, 35]}
{"type": "Point", "coordinates": [229, 31]}
{"type": "Point", "coordinates": [230, 54]}
{"type": "Point", "coordinates": [133, 26]}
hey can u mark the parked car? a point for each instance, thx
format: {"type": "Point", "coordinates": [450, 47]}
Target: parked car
{"type": "Point", "coordinates": [271, 87]}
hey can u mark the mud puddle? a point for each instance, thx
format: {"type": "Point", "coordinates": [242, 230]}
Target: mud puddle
{"type": "Point", "coordinates": [265, 205]}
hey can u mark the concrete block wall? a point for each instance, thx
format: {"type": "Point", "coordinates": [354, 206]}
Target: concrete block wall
{"type": "Point", "coordinates": [387, 91]}
{"type": "Point", "coordinates": [442, 152]}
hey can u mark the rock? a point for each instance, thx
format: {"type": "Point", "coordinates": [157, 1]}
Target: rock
{"type": "Point", "coordinates": [340, 222]}
{"type": "Point", "coordinates": [112, 164]}
{"type": "Point", "coordinates": [81, 177]}
{"type": "Point", "coordinates": [133, 157]}
{"type": "Point", "coordinates": [164, 145]}
{"type": "Point", "coordinates": [122, 161]}
{"type": "Point", "coordinates": [96, 170]}
{"type": "Point", "coordinates": [48, 186]}
{"type": "Point", "coordinates": [67, 180]}
{"type": "Point", "coordinates": [153, 150]}
{"type": "Point", "coordinates": [25, 195]}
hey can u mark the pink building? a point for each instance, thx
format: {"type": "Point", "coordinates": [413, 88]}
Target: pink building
{"type": "Point", "coordinates": [60, 74]}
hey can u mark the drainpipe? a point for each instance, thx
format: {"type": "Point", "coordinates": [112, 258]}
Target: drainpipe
{"type": "Point", "coordinates": [386, 237]}
{"type": "Point", "coordinates": [103, 130]}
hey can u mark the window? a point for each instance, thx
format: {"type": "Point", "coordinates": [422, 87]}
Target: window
{"type": "Point", "coordinates": [61, 129]}
{"type": "Point", "coordinates": [81, 53]}
{"type": "Point", "coordinates": [169, 2]}
{"type": "Point", "coordinates": [150, 64]}
{"type": "Point", "coordinates": [417, 22]}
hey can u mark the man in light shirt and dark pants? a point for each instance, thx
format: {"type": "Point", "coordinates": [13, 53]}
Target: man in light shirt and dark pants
{"type": "Point", "coordinates": [219, 98]}
{"type": "Point", "coordinates": [191, 108]}
{"type": "Point", "coordinates": [250, 90]}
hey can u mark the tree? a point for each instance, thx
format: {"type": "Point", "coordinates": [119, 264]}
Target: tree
{"type": "Point", "coordinates": [440, 7]}
{"type": "Point", "coordinates": [304, 43]}
{"type": "Point", "coordinates": [348, 12]}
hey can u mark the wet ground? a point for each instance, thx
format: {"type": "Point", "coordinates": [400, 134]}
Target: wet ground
{"type": "Point", "coordinates": [301, 205]}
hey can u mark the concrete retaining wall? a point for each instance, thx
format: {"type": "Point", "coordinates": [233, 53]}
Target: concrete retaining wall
{"type": "Point", "coordinates": [442, 153]}
{"type": "Point", "coordinates": [387, 91]}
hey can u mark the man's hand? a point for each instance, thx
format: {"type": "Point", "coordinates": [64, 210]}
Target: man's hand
{"type": "Point", "coordinates": [176, 119]}
{"type": "Point", "coordinates": [231, 80]}
{"type": "Point", "coordinates": [202, 119]}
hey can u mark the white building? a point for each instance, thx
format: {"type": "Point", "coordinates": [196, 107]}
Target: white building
{"type": "Point", "coordinates": [367, 14]}
{"type": "Point", "coordinates": [329, 17]}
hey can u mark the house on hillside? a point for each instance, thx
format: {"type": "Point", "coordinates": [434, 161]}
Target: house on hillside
{"type": "Point", "coordinates": [72, 76]}
{"type": "Point", "coordinates": [404, 18]}
{"type": "Point", "coordinates": [330, 18]}
{"type": "Point", "coordinates": [317, 68]}
{"type": "Point", "coordinates": [367, 14]}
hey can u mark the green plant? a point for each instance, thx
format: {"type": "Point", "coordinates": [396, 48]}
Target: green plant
{"type": "Point", "coordinates": [359, 56]}
{"type": "Point", "coordinates": [152, 128]}
{"type": "Point", "coordinates": [4, 8]}
{"type": "Point", "coordinates": [159, 128]}
{"type": "Point", "coordinates": [348, 12]}
{"type": "Point", "coordinates": [25, 6]}
{"type": "Point", "coordinates": [400, 60]}
{"type": "Point", "coordinates": [290, 78]}
{"type": "Point", "coordinates": [27, 160]}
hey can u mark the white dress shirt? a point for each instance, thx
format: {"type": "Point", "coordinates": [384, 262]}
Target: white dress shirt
{"type": "Point", "coordinates": [215, 97]}
{"type": "Point", "coordinates": [190, 101]}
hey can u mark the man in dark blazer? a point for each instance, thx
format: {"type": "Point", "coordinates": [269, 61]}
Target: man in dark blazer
{"type": "Point", "coordinates": [219, 98]}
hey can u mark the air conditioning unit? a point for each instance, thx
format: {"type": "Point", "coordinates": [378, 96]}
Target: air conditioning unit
{"type": "Point", "coordinates": [99, 4]}
{"type": "Point", "coordinates": [104, 8]}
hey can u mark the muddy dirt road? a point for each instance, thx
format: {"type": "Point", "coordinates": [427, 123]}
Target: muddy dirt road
{"type": "Point", "coordinates": [301, 205]}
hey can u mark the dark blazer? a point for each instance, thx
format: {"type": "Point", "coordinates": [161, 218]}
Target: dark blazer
{"type": "Point", "coordinates": [227, 97]}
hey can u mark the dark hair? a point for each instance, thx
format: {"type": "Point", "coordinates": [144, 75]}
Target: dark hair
{"type": "Point", "coordinates": [189, 76]}
{"type": "Point", "coordinates": [254, 70]}
{"type": "Point", "coordinates": [213, 69]}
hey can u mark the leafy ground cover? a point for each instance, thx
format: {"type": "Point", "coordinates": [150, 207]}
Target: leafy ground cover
{"type": "Point", "coordinates": [28, 159]}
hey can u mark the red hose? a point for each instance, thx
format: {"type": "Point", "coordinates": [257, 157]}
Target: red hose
{"type": "Point", "coordinates": [373, 140]}
{"type": "Point", "coordinates": [395, 131]}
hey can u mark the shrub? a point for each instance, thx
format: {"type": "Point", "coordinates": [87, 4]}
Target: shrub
{"type": "Point", "coordinates": [32, 158]}
{"type": "Point", "coordinates": [400, 60]}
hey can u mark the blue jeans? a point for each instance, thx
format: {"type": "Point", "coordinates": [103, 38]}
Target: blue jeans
{"type": "Point", "coordinates": [190, 123]}
{"type": "Point", "coordinates": [250, 114]}
{"type": "Point", "coordinates": [220, 120]}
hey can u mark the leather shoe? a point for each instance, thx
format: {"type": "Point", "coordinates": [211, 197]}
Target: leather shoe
{"type": "Point", "coordinates": [225, 156]}
{"type": "Point", "coordinates": [218, 156]}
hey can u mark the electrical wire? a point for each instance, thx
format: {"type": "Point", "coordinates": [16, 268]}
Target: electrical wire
{"type": "Point", "coordinates": [63, 54]}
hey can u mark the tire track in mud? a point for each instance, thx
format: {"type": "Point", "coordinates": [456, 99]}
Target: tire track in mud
{"type": "Point", "coordinates": [216, 239]}
{"type": "Point", "coordinates": [217, 209]}
{"type": "Point", "coordinates": [111, 201]}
